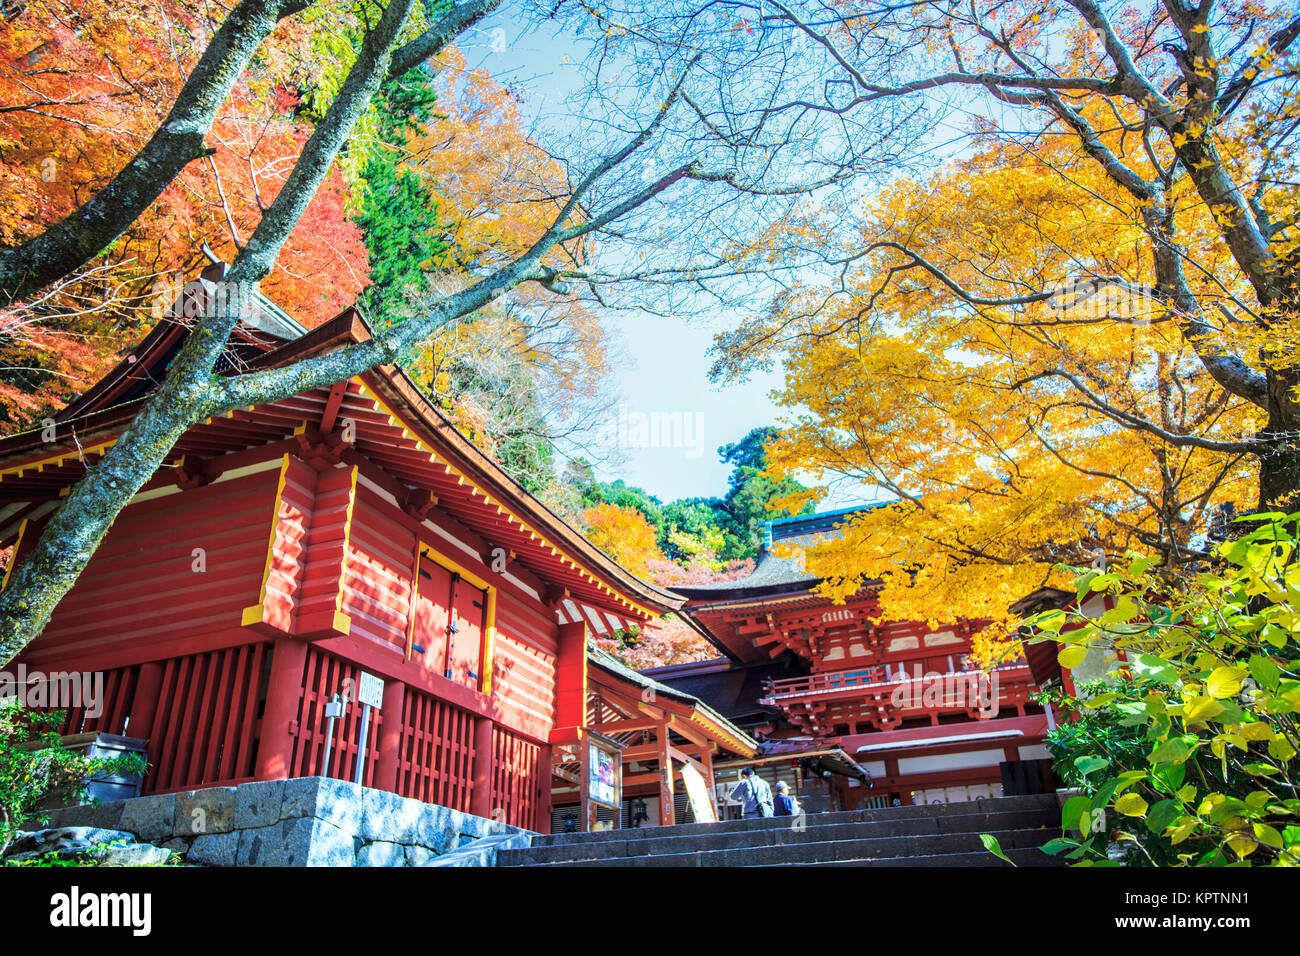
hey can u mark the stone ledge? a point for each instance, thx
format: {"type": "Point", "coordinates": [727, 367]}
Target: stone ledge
{"type": "Point", "coordinates": [304, 821]}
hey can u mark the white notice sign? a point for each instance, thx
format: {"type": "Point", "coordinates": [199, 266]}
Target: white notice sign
{"type": "Point", "coordinates": [370, 690]}
{"type": "Point", "coordinates": [698, 792]}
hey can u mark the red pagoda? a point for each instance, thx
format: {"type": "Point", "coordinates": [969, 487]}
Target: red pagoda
{"type": "Point", "coordinates": [853, 711]}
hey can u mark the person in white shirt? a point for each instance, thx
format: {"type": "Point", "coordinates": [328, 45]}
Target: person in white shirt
{"type": "Point", "coordinates": [754, 794]}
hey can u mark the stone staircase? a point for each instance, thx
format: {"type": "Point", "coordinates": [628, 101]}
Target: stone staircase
{"type": "Point", "coordinates": [930, 835]}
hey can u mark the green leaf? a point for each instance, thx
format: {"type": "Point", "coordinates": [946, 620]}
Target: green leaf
{"type": "Point", "coordinates": [1264, 671]}
{"type": "Point", "coordinates": [1280, 748]}
{"type": "Point", "coordinates": [1168, 777]}
{"type": "Point", "coordinates": [1173, 750]}
{"type": "Point", "coordinates": [1269, 516]}
{"type": "Point", "coordinates": [1087, 765]}
{"type": "Point", "coordinates": [991, 844]}
{"type": "Point", "coordinates": [1266, 835]}
{"type": "Point", "coordinates": [1154, 668]}
{"type": "Point", "coordinates": [1100, 701]}
{"type": "Point", "coordinates": [1140, 565]}
{"type": "Point", "coordinates": [1074, 812]}
{"type": "Point", "coordinates": [1162, 814]}
{"type": "Point", "coordinates": [1260, 769]}
{"type": "Point", "coordinates": [1057, 844]}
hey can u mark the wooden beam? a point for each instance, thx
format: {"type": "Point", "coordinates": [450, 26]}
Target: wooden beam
{"type": "Point", "coordinates": [641, 752]}
{"type": "Point", "coordinates": [685, 758]}
{"type": "Point", "coordinates": [638, 779]}
{"type": "Point", "coordinates": [688, 730]}
{"type": "Point", "coordinates": [623, 726]}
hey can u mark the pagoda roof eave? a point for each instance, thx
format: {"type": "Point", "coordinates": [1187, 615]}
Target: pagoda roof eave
{"type": "Point", "coordinates": [717, 596]}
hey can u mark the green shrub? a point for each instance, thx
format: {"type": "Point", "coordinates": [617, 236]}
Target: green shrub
{"type": "Point", "coordinates": [1185, 755]}
{"type": "Point", "coordinates": [34, 765]}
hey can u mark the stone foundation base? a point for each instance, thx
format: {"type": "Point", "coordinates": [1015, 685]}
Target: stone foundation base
{"type": "Point", "coordinates": [306, 821]}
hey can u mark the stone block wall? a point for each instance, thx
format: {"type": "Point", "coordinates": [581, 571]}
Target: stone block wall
{"type": "Point", "coordinates": [306, 821]}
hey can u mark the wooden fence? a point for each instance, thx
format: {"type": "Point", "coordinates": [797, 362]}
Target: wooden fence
{"type": "Point", "coordinates": [204, 711]}
{"type": "Point", "coordinates": [515, 766]}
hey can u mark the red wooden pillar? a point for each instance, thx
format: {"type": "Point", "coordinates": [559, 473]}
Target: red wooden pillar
{"type": "Point", "coordinates": [542, 816]}
{"type": "Point", "coordinates": [390, 737]}
{"type": "Point", "coordinates": [571, 680]}
{"type": "Point", "coordinates": [280, 719]}
{"type": "Point", "coordinates": [706, 757]}
{"type": "Point", "coordinates": [667, 817]}
{"type": "Point", "coordinates": [144, 702]}
{"type": "Point", "coordinates": [481, 800]}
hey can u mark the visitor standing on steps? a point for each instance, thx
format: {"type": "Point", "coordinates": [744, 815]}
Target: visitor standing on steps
{"type": "Point", "coordinates": [754, 793]}
{"type": "Point", "coordinates": [784, 804]}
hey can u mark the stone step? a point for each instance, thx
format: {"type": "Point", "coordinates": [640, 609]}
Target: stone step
{"type": "Point", "coordinates": [982, 805]}
{"type": "Point", "coordinates": [670, 843]}
{"type": "Point", "coordinates": [874, 850]}
{"type": "Point", "coordinates": [1026, 857]}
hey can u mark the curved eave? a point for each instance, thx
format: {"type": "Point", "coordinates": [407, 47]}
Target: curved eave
{"type": "Point", "coordinates": [687, 706]}
{"type": "Point", "coordinates": [707, 597]}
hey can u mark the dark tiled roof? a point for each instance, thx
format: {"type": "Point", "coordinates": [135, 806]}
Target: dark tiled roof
{"type": "Point", "coordinates": [732, 692]}
{"type": "Point", "coordinates": [774, 575]}
{"type": "Point", "coordinates": [613, 665]}
{"type": "Point", "coordinates": [819, 524]}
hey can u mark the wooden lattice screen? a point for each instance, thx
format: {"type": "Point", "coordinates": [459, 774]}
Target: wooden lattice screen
{"type": "Point", "coordinates": [205, 726]}
{"type": "Point", "coordinates": [514, 778]}
{"type": "Point", "coordinates": [436, 759]}
{"type": "Point", "coordinates": [326, 675]}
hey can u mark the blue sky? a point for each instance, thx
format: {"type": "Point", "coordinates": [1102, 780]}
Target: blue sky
{"type": "Point", "coordinates": [663, 362]}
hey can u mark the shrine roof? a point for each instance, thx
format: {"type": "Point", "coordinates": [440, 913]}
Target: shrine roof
{"type": "Point", "coordinates": [397, 427]}
{"type": "Point", "coordinates": [1042, 658]}
{"type": "Point", "coordinates": [733, 691]}
{"type": "Point", "coordinates": [774, 574]}
{"type": "Point", "coordinates": [828, 754]}
{"type": "Point", "coordinates": [699, 711]}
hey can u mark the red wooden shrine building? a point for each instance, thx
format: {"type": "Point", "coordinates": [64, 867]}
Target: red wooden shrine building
{"type": "Point", "coordinates": [286, 549]}
{"type": "Point", "coordinates": [816, 679]}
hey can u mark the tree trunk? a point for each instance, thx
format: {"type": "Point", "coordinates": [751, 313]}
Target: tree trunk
{"type": "Point", "coordinates": [1279, 463]}
{"type": "Point", "coordinates": [69, 244]}
{"type": "Point", "coordinates": [187, 394]}
{"type": "Point", "coordinates": [76, 529]}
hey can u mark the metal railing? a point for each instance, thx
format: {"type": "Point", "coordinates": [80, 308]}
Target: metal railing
{"type": "Point", "coordinates": [876, 681]}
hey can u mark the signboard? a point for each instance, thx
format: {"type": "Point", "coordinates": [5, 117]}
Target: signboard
{"type": "Point", "coordinates": [698, 793]}
{"type": "Point", "coordinates": [370, 690]}
{"type": "Point", "coordinates": [603, 775]}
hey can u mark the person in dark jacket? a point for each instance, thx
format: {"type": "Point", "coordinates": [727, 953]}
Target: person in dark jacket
{"type": "Point", "coordinates": [783, 803]}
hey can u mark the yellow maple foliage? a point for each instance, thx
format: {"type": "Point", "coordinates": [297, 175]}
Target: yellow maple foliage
{"type": "Point", "coordinates": [1001, 468]}
{"type": "Point", "coordinates": [625, 535]}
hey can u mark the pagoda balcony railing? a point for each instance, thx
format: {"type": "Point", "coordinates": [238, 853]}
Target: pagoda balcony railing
{"type": "Point", "coordinates": [876, 682]}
